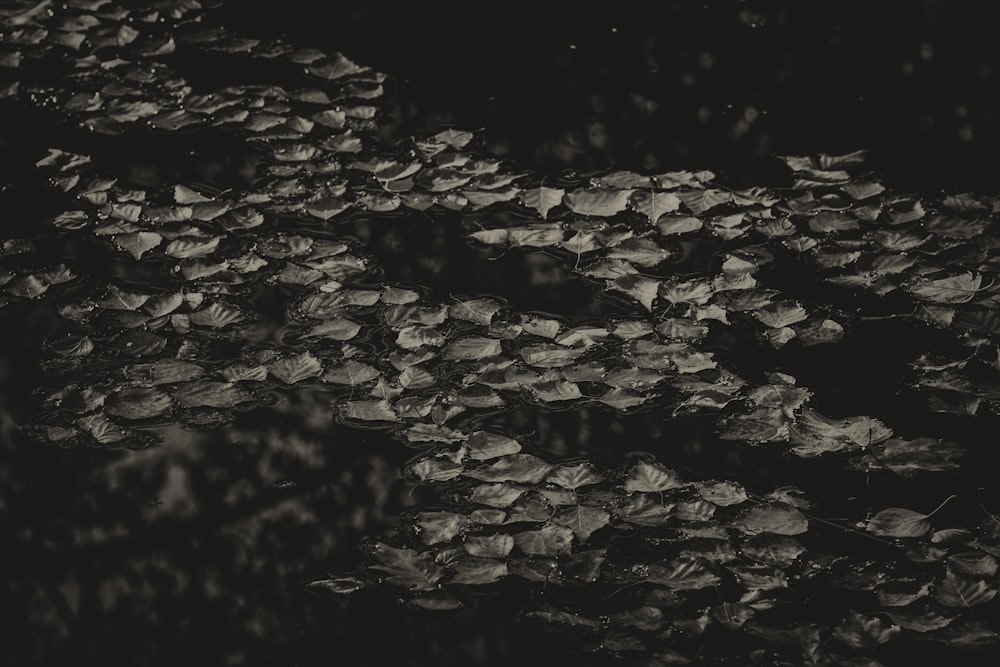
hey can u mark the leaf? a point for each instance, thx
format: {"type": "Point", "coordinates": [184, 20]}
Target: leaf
{"type": "Point", "coordinates": [478, 570]}
{"type": "Point", "coordinates": [866, 631]}
{"type": "Point", "coordinates": [597, 201]}
{"type": "Point", "coordinates": [622, 399]}
{"type": "Point", "coordinates": [496, 495]}
{"type": "Point", "coordinates": [907, 457]}
{"type": "Point", "coordinates": [777, 518]}
{"type": "Point", "coordinates": [548, 355]}
{"type": "Point", "coordinates": [583, 520]}
{"type": "Point", "coordinates": [296, 368]}
{"type": "Point", "coordinates": [958, 591]}
{"type": "Point", "coordinates": [898, 522]}
{"type": "Point", "coordinates": [682, 574]}
{"type": "Point", "coordinates": [643, 290]}
{"type": "Point", "coordinates": [642, 252]}
{"type": "Point", "coordinates": [521, 468]}
{"type": "Point", "coordinates": [429, 469]}
{"type": "Point", "coordinates": [408, 568]}
{"type": "Point", "coordinates": [700, 201]}
{"type": "Point", "coordinates": [645, 509]}
{"type": "Point", "coordinates": [953, 289]}
{"type": "Point", "coordinates": [649, 477]}
{"type": "Point", "coordinates": [722, 494]}
{"type": "Point", "coordinates": [483, 446]}
{"type": "Point", "coordinates": [480, 311]}
{"type": "Point", "coordinates": [654, 204]}
{"type": "Point", "coordinates": [558, 390]}
{"type": "Point", "coordinates": [138, 403]}
{"type": "Point", "coordinates": [368, 411]}
{"type": "Point", "coordinates": [338, 586]}
{"type": "Point", "coordinates": [164, 371]}
{"type": "Point", "coordinates": [542, 199]}
{"type": "Point", "coordinates": [209, 394]}
{"type": "Point", "coordinates": [334, 329]}
{"type": "Point", "coordinates": [438, 527]}
{"type": "Point", "coordinates": [217, 315]}
{"type": "Point", "coordinates": [551, 540]}
{"type": "Point", "coordinates": [781, 314]}
{"type": "Point", "coordinates": [574, 476]}
{"type": "Point", "coordinates": [138, 243]}
{"type": "Point", "coordinates": [819, 331]}
{"type": "Point", "coordinates": [492, 546]}
{"type": "Point", "coordinates": [351, 373]}
{"type": "Point", "coordinates": [919, 619]}
{"type": "Point", "coordinates": [472, 347]}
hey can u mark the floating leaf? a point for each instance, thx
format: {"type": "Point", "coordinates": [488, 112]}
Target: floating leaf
{"type": "Point", "coordinates": [958, 591]}
{"type": "Point", "coordinates": [209, 394]}
{"type": "Point", "coordinates": [866, 631]}
{"type": "Point", "coordinates": [438, 527]}
{"type": "Point", "coordinates": [138, 403]}
{"type": "Point", "coordinates": [296, 368]}
{"type": "Point", "coordinates": [681, 575]}
{"type": "Point", "coordinates": [407, 568]}
{"type": "Point", "coordinates": [954, 289]}
{"type": "Point", "coordinates": [521, 468]}
{"type": "Point", "coordinates": [351, 373]}
{"type": "Point", "coordinates": [138, 243]}
{"type": "Point", "coordinates": [492, 546]}
{"type": "Point", "coordinates": [777, 518]}
{"type": "Point", "coordinates": [472, 347]}
{"type": "Point", "coordinates": [478, 570]}
{"type": "Point", "coordinates": [217, 315]}
{"type": "Point", "coordinates": [551, 540]}
{"type": "Point", "coordinates": [483, 446]}
{"type": "Point", "coordinates": [368, 411]}
{"type": "Point", "coordinates": [647, 477]}
{"type": "Point", "coordinates": [597, 201]}
{"type": "Point", "coordinates": [898, 522]}
{"type": "Point", "coordinates": [542, 199]}
{"type": "Point", "coordinates": [574, 476]}
{"type": "Point", "coordinates": [480, 311]}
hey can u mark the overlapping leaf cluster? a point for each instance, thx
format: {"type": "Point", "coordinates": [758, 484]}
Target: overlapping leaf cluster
{"type": "Point", "coordinates": [682, 257]}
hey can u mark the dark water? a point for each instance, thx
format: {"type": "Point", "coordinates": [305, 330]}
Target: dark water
{"type": "Point", "coordinates": [200, 550]}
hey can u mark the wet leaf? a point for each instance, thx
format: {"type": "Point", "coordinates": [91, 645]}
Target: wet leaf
{"type": "Point", "coordinates": [954, 289]}
{"type": "Point", "coordinates": [681, 575]}
{"type": "Point", "coordinates": [722, 494]}
{"type": "Point", "coordinates": [478, 570]}
{"type": "Point", "coordinates": [217, 315]}
{"type": "Point", "coordinates": [649, 477]}
{"type": "Point", "coordinates": [138, 403]}
{"type": "Point", "coordinates": [472, 347]}
{"type": "Point", "coordinates": [781, 314]}
{"type": "Point", "coordinates": [866, 631]}
{"type": "Point", "coordinates": [492, 546]}
{"type": "Point", "coordinates": [521, 468]}
{"type": "Point", "coordinates": [483, 446]}
{"type": "Point", "coordinates": [138, 243]}
{"type": "Point", "coordinates": [296, 368]}
{"type": "Point", "coordinates": [337, 587]}
{"type": "Point", "coordinates": [351, 373]}
{"type": "Point", "coordinates": [597, 201]}
{"type": "Point", "coordinates": [777, 518]}
{"type": "Point", "coordinates": [438, 527]}
{"type": "Point", "coordinates": [369, 411]}
{"type": "Point", "coordinates": [654, 204]}
{"type": "Point", "coordinates": [958, 591]}
{"type": "Point", "coordinates": [209, 394]}
{"type": "Point", "coordinates": [480, 311]}
{"type": "Point", "coordinates": [574, 476]}
{"type": "Point", "coordinates": [551, 540]}
{"type": "Point", "coordinates": [898, 522]}
{"type": "Point", "coordinates": [407, 568]}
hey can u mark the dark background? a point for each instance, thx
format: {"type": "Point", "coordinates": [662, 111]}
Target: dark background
{"type": "Point", "coordinates": [662, 85]}
{"type": "Point", "coordinates": [199, 552]}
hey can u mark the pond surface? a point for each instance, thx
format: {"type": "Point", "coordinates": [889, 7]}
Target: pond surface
{"type": "Point", "coordinates": [300, 365]}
